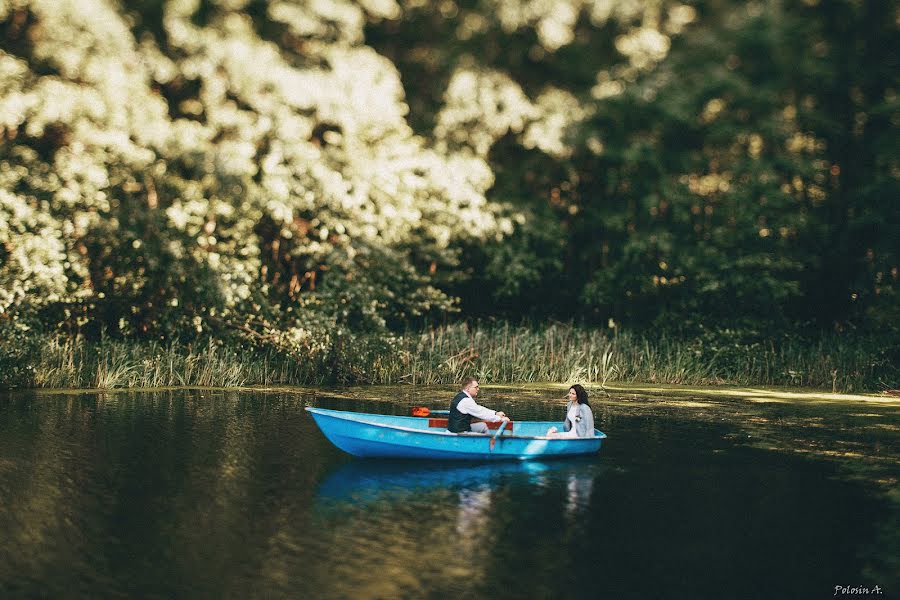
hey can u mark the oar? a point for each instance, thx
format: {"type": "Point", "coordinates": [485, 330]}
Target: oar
{"type": "Point", "coordinates": [498, 434]}
{"type": "Point", "coordinates": [424, 411]}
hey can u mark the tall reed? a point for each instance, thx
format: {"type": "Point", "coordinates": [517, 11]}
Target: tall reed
{"type": "Point", "coordinates": [498, 353]}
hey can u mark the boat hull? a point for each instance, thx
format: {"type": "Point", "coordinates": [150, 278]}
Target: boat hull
{"type": "Point", "coordinates": [369, 435]}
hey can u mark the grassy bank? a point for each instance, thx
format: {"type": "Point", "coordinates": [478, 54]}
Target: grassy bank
{"type": "Point", "coordinates": [495, 353]}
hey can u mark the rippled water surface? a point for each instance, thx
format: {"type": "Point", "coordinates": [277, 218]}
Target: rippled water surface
{"type": "Point", "coordinates": [220, 494]}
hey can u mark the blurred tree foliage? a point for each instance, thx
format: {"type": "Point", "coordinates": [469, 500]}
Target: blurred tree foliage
{"type": "Point", "coordinates": [286, 169]}
{"type": "Point", "coordinates": [167, 167]}
{"type": "Point", "coordinates": [721, 165]}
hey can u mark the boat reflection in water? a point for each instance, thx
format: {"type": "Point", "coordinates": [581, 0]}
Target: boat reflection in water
{"type": "Point", "coordinates": [413, 529]}
{"type": "Point", "coordinates": [361, 482]}
{"type": "Point", "coordinates": [366, 478]}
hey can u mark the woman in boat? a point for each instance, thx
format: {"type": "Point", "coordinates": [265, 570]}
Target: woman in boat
{"type": "Point", "coordinates": [579, 416]}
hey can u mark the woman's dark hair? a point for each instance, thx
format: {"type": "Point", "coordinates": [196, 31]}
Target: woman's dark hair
{"type": "Point", "coordinates": [580, 394]}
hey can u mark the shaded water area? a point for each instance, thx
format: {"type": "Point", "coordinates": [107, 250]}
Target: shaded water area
{"type": "Point", "coordinates": [236, 494]}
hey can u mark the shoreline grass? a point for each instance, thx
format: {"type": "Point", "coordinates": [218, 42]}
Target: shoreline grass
{"type": "Point", "coordinates": [497, 353]}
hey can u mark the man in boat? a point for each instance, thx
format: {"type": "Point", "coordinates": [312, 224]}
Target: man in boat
{"type": "Point", "coordinates": [463, 409]}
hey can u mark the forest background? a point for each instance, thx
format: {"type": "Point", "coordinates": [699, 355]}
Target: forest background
{"type": "Point", "coordinates": [232, 192]}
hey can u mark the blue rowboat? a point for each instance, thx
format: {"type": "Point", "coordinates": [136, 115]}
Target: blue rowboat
{"type": "Point", "coordinates": [369, 435]}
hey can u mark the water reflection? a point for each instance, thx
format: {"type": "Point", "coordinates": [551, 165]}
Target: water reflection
{"type": "Point", "coordinates": [190, 494]}
{"type": "Point", "coordinates": [466, 489]}
{"type": "Point", "coordinates": [579, 496]}
{"type": "Point", "coordinates": [449, 527]}
{"type": "Point", "coordinates": [367, 480]}
{"type": "Point", "coordinates": [473, 507]}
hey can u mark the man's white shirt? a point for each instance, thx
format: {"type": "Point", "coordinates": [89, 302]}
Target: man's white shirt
{"type": "Point", "coordinates": [468, 406]}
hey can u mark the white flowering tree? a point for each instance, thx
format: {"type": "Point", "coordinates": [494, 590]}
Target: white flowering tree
{"type": "Point", "coordinates": [205, 164]}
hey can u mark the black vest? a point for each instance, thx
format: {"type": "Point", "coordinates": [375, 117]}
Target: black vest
{"type": "Point", "coordinates": [457, 421]}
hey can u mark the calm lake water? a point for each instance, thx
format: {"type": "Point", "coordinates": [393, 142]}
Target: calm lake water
{"type": "Point", "coordinates": [227, 494]}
